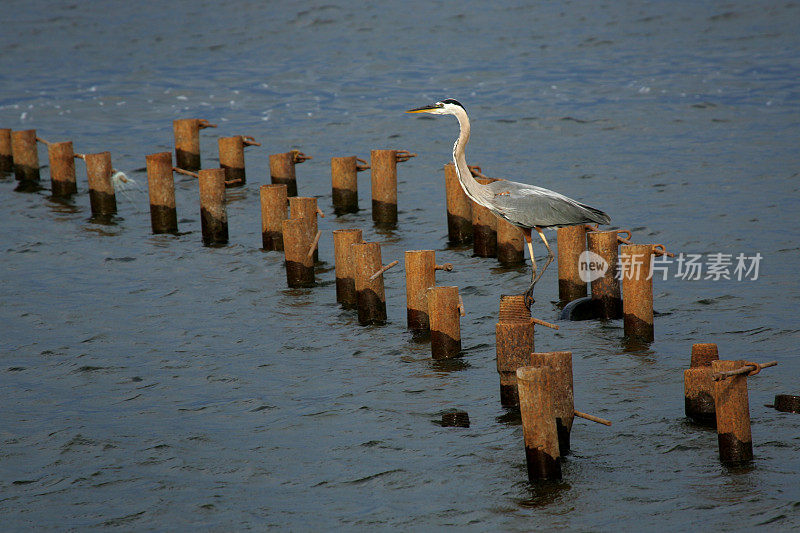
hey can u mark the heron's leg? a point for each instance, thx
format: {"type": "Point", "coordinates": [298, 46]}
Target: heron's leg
{"type": "Point", "coordinates": [550, 255]}
{"type": "Point", "coordinates": [528, 297]}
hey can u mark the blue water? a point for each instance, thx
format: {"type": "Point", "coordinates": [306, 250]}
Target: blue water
{"type": "Point", "coordinates": [151, 383]}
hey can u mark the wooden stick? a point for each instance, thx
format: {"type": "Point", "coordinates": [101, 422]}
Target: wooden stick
{"type": "Point", "coordinates": [447, 267]}
{"type": "Point", "coordinates": [593, 418]}
{"type": "Point", "coordinates": [750, 368]}
{"type": "Point", "coordinates": [314, 244]}
{"type": "Point", "coordinates": [383, 269]}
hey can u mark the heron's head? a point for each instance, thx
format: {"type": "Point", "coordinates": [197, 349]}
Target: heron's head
{"type": "Point", "coordinates": [445, 107]}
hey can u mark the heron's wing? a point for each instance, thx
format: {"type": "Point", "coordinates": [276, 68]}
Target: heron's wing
{"type": "Point", "coordinates": [529, 206]}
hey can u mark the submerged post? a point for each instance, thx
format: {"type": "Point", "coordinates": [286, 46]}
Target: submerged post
{"type": "Point", "coordinates": [484, 228]}
{"type": "Point", "coordinates": [733, 415]}
{"type": "Point", "coordinates": [345, 267]}
{"type": "Point", "coordinates": [370, 296]}
{"type": "Point", "coordinates": [560, 365]}
{"type": "Point", "coordinates": [282, 169]}
{"type": "Point", "coordinates": [637, 286]}
{"type": "Point", "coordinates": [187, 142]}
{"type": "Point", "coordinates": [231, 158]}
{"type": "Point", "coordinates": [344, 180]}
{"type": "Point", "coordinates": [571, 244]}
{"type": "Point", "coordinates": [459, 208]}
{"type": "Point", "coordinates": [161, 186]}
{"type": "Point", "coordinates": [420, 268]}
{"type": "Point", "coordinates": [445, 322]}
{"type": "Point", "coordinates": [539, 423]}
{"type": "Point", "coordinates": [213, 214]}
{"type": "Point", "coordinates": [514, 338]}
{"type": "Point", "coordinates": [605, 289]}
{"type": "Point", "coordinates": [384, 184]}
{"type": "Point", "coordinates": [25, 155]}
{"type": "Point", "coordinates": [274, 203]}
{"type": "Point", "coordinates": [698, 387]}
{"type": "Point", "coordinates": [297, 243]}
{"type": "Point", "coordinates": [305, 208]}
{"type": "Point", "coordinates": [62, 169]}
{"type": "Point", "coordinates": [101, 190]}
{"type": "Point", "coordinates": [6, 153]}
{"type": "Point", "coordinates": [510, 243]}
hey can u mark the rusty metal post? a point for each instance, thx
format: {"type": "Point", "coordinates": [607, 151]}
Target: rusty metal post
{"type": "Point", "coordinates": [605, 290]}
{"type": "Point", "coordinates": [344, 180]}
{"type": "Point", "coordinates": [161, 185]}
{"type": "Point", "coordinates": [510, 243]}
{"type": "Point", "coordinates": [420, 268]}
{"type": "Point", "coordinates": [187, 142]}
{"type": "Point", "coordinates": [539, 423]}
{"type": "Point", "coordinates": [370, 295]}
{"type": "Point", "coordinates": [213, 214]}
{"type": "Point", "coordinates": [282, 169]}
{"type": "Point", "coordinates": [6, 153]}
{"type": "Point", "coordinates": [571, 244]}
{"type": "Point", "coordinates": [231, 159]}
{"type": "Point", "coordinates": [305, 208]}
{"type": "Point", "coordinates": [637, 287]}
{"type": "Point", "coordinates": [101, 190]}
{"type": "Point", "coordinates": [384, 186]}
{"type": "Point", "coordinates": [514, 337]}
{"type": "Point", "coordinates": [560, 364]}
{"type": "Point", "coordinates": [345, 267]}
{"type": "Point", "coordinates": [445, 322]}
{"type": "Point", "coordinates": [459, 208]}
{"type": "Point", "coordinates": [733, 414]}
{"type": "Point", "coordinates": [484, 228]}
{"type": "Point", "coordinates": [274, 203]}
{"type": "Point", "coordinates": [698, 387]}
{"type": "Point", "coordinates": [26, 155]}
{"type": "Point", "coordinates": [297, 243]}
{"type": "Point", "coordinates": [62, 169]}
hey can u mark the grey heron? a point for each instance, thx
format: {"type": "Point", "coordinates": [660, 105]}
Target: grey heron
{"type": "Point", "coordinates": [526, 206]}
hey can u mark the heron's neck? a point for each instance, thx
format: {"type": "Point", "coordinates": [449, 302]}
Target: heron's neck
{"type": "Point", "coordinates": [472, 188]}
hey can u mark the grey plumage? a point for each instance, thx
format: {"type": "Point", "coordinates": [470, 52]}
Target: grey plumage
{"type": "Point", "coordinates": [526, 206]}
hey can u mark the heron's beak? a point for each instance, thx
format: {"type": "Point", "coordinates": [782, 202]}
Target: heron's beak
{"type": "Point", "coordinates": [423, 109]}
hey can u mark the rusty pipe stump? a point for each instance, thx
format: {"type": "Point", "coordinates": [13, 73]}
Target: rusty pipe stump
{"type": "Point", "coordinates": [297, 241]}
{"type": "Point", "coordinates": [305, 208]}
{"type": "Point", "coordinates": [161, 186]}
{"type": "Point", "coordinates": [213, 213]}
{"type": "Point", "coordinates": [539, 423]}
{"type": "Point", "coordinates": [484, 228]}
{"type": "Point", "coordinates": [344, 181]}
{"type": "Point", "coordinates": [510, 243]}
{"type": "Point", "coordinates": [514, 345]}
{"type": "Point", "coordinates": [384, 186]}
{"type": "Point", "coordinates": [703, 353]}
{"type": "Point", "coordinates": [6, 152]}
{"type": "Point", "coordinates": [231, 159]}
{"type": "Point", "coordinates": [62, 169]}
{"type": "Point", "coordinates": [102, 198]}
{"type": "Point", "coordinates": [274, 210]}
{"type": "Point", "coordinates": [345, 266]}
{"type": "Point", "coordinates": [787, 403]}
{"type": "Point", "coordinates": [445, 322]}
{"type": "Point", "coordinates": [733, 415]}
{"type": "Point", "coordinates": [282, 171]}
{"type": "Point", "coordinates": [571, 244]}
{"type": "Point", "coordinates": [26, 155]}
{"type": "Point", "coordinates": [560, 365]}
{"type": "Point", "coordinates": [370, 295]}
{"type": "Point", "coordinates": [187, 143]}
{"type": "Point", "coordinates": [698, 386]}
{"type": "Point", "coordinates": [420, 268]}
{"type": "Point", "coordinates": [605, 289]}
{"type": "Point", "coordinates": [459, 208]}
{"type": "Point", "coordinates": [637, 286]}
